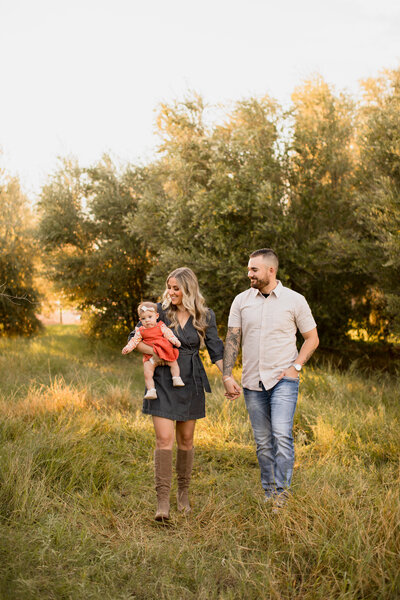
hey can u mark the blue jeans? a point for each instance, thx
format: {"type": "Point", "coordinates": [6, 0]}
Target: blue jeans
{"type": "Point", "coordinates": [271, 414]}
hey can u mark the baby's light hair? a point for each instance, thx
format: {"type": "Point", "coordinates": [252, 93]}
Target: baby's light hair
{"type": "Point", "coordinates": [143, 306]}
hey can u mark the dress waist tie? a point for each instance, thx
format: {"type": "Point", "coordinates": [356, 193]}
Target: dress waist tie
{"type": "Point", "coordinates": [197, 365]}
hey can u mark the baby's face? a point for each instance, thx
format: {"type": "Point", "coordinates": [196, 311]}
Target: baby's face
{"type": "Point", "coordinates": [148, 318]}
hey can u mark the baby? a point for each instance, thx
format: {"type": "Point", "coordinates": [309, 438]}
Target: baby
{"type": "Point", "coordinates": [160, 338]}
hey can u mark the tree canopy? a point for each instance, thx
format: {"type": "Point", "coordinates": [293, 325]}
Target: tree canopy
{"type": "Point", "coordinates": [319, 183]}
{"type": "Point", "coordinates": [88, 253]}
{"type": "Point", "coordinates": [18, 297]}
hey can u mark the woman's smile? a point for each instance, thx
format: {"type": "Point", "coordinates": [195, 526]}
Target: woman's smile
{"type": "Point", "coordinates": [174, 291]}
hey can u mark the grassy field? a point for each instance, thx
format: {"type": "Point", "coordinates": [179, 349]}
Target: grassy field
{"type": "Point", "coordinates": [77, 497]}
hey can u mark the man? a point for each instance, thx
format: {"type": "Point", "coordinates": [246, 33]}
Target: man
{"type": "Point", "coordinates": [267, 317]}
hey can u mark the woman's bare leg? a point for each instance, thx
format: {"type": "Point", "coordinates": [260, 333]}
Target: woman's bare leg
{"type": "Point", "coordinates": [184, 434]}
{"type": "Point", "coordinates": [164, 430]}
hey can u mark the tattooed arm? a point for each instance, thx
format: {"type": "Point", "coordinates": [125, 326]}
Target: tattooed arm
{"type": "Point", "coordinates": [232, 344]}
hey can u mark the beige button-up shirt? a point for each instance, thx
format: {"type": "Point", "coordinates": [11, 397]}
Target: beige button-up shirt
{"type": "Point", "coordinates": [269, 327]}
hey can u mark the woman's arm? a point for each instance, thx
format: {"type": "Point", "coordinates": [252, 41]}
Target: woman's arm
{"type": "Point", "coordinates": [213, 342]}
{"type": "Point", "coordinates": [145, 349]}
{"type": "Point", "coordinates": [219, 364]}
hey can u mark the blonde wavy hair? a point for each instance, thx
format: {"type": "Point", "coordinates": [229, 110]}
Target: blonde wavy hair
{"type": "Point", "coordinates": [192, 300]}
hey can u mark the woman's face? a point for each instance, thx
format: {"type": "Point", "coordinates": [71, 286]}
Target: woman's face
{"type": "Point", "coordinates": [174, 291]}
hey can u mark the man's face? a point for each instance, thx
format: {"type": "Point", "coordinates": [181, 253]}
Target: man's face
{"type": "Point", "coordinates": [259, 272]}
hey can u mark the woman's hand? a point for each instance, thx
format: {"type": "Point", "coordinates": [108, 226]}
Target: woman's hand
{"type": "Point", "coordinates": [232, 388]}
{"type": "Point", "coordinates": [157, 361]}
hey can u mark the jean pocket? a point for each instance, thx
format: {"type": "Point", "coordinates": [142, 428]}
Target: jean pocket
{"type": "Point", "coordinates": [290, 378]}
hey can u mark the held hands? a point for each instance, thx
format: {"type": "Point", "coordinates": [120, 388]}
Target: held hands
{"type": "Point", "coordinates": [232, 388]}
{"type": "Point", "coordinates": [289, 372]}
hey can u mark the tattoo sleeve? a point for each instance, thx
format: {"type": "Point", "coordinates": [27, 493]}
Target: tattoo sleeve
{"type": "Point", "coordinates": [232, 343]}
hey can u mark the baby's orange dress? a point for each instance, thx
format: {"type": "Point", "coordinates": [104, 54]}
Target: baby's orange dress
{"type": "Point", "coordinates": [160, 338]}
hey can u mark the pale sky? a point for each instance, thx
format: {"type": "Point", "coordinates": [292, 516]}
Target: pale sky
{"type": "Point", "coordinates": [84, 77]}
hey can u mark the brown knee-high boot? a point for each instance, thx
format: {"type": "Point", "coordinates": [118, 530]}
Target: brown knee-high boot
{"type": "Point", "coordinates": [163, 476]}
{"type": "Point", "coordinates": [184, 464]}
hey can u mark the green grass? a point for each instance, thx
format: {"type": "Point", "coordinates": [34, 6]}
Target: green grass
{"type": "Point", "coordinates": [77, 498]}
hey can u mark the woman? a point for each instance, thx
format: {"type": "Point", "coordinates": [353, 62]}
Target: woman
{"type": "Point", "coordinates": [184, 311]}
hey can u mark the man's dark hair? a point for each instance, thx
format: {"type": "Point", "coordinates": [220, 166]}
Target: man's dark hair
{"type": "Point", "coordinates": [268, 255]}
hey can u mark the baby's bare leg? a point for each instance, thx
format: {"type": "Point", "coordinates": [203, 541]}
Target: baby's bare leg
{"type": "Point", "coordinates": [175, 371]}
{"type": "Point", "coordinates": [148, 369]}
{"type": "Point", "coordinates": [176, 374]}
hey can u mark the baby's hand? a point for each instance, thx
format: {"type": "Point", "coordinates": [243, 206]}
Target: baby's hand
{"type": "Point", "coordinates": [178, 344]}
{"type": "Point", "coordinates": [125, 350]}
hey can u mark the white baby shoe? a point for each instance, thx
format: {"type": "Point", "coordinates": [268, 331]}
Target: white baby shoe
{"type": "Point", "coordinates": [151, 394]}
{"type": "Point", "coordinates": [177, 382]}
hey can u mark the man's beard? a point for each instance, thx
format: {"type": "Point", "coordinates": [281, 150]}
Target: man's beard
{"type": "Point", "coordinates": [259, 284]}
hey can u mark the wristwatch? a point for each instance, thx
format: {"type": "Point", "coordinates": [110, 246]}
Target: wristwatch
{"type": "Point", "coordinates": [298, 367]}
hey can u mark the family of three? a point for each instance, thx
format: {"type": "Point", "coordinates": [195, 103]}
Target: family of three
{"type": "Point", "coordinates": [265, 318]}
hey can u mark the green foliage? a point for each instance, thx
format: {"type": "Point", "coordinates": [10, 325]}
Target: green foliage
{"type": "Point", "coordinates": [77, 495]}
{"type": "Point", "coordinates": [18, 298]}
{"type": "Point", "coordinates": [305, 183]}
{"type": "Point", "coordinates": [89, 255]}
{"type": "Point", "coordinates": [320, 184]}
{"type": "Point", "coordinates": [322, 248]}
{"type": "Point", "coordinates": [378, 200]}
{"type": "Point", "coordinates": [215, 188]}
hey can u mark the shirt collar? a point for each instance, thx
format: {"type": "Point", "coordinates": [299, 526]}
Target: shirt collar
{"type": "Point", "coordinates": [277, 290]}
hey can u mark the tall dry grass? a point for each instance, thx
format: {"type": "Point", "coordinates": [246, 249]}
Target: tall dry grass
{"type": "Point", "coordinates": [77, 498]}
